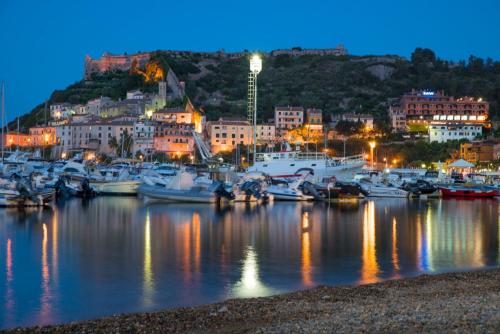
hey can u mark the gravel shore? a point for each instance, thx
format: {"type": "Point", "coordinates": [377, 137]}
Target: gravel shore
{"type": "Point", "coordinates": [454, 302]}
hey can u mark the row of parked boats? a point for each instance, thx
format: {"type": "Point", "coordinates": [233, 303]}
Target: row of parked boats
{"type": "Point", "coordinates": [35, 182]}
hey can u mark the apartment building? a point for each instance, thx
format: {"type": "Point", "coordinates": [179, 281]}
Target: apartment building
{"type": "Point", "coordinates": [43, 136]}
{"type": "Point", "coordinates": [366, 119]}
{"type": "Point", "coordinates": [174, 139]}
{"type": "Point", "coordinates": [287, 118]}
{"type": "Point", "coordinates": [479, 151]}
{"type": "Point", "coordinates": [443, 132]}
{"type": "Point", "coordinates": [266, 133]}
{"type": "Point", "coordinates": [225, 135]}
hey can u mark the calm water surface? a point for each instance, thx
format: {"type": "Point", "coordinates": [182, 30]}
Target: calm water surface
{"type": "Point", "coordinates": [117, 255]}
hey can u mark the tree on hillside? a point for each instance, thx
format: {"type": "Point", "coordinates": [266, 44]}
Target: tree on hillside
{"type": "Point", "coordinates": [348, 128]}
{"type": "Point", "coordinates": [423, 55]}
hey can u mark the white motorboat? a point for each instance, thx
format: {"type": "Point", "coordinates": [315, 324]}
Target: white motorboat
{"type": "Point", "coordinates": [183, 189]}
{"type": "Point", "coordinates": [20, 193]}
{"type": "Point", "coordinates": [382, 190]}
{"type": "Point", "coordinates": [114, 182]}
{"type": "Point", "coordinates": [289, 191]}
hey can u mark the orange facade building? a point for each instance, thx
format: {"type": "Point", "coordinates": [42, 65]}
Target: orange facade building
{"type": "Point", "coordinates": [43, 136]}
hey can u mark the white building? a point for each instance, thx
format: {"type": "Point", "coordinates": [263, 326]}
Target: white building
{"type": "Point", "coordinates": [266, 133]}
{"type": "Point", "coordinates": [60, 111]}
{"type": "Point", "coordinates": [95, 106]}
{"type": "Point", "coordinates": [135, 95]}
{"type": "Point", "coordinates": [93, 135]}
{"type": "Point", "coordinates": [443, 132]}
{"type": "Point", "coordinates": [143, 138]}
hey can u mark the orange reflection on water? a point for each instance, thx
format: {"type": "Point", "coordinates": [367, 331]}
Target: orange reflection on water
{"type": "Point", "coordinates": [306, 268]}
{"type": "Point", "coordinates": [45, 298]}
{"type": "Point", "coordinates": [197, 241]}
{"type": "Point", "coordinates": [9, 300]}
{"type": "Point", "coordinates": [54, 246]}
{"type": "Point", "coordinates": [148, 287]}
{"type": "Point", "coordinates": [420, 257]}
{"type": "Point", "coordinates": [370, 268]}
{"type": "Point", "coordinates": [395, 257]}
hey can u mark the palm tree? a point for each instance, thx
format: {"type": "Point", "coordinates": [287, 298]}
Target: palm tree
{"type": "Point", "coordinates": [122, 147]}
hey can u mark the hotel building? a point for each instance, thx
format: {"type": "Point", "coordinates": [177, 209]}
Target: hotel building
{"type": "Point", "coordinates": [287, 118]}
{"type": "Point", "coordinates": [422, 107]}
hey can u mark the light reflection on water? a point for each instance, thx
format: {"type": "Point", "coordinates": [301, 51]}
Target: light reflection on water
{"type": "Point", "coordinates": [115, 255]}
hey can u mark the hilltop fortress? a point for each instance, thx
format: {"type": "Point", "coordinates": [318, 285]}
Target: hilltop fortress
{"type": "Point", "coordinates": [124, 62]}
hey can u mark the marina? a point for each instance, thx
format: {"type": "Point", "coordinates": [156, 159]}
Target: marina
{"type": "Point", "coordinates": [83, 259]}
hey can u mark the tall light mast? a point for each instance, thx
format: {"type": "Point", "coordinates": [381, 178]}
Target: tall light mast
{"type": "Point", "coordinates": [3, 118]}
{"type": "Point", "coordinates": [255, 68]}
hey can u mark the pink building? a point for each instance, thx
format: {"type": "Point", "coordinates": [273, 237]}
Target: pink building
{"type": "Point", "coordinates": [174, 139]}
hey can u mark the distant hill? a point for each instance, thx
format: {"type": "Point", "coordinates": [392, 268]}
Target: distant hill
{"type": "Point", "coordinates": [333, 83]}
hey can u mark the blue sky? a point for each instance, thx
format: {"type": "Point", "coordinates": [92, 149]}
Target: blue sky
{"type": "Point", "coordinates": [43, 43]}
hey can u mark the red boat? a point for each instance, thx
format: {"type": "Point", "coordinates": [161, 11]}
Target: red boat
{"type": "Point", "coordinates": [468, 192]}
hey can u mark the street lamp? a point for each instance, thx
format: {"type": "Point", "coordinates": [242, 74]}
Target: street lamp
{"type": "Point", "coordinates": [255, 68]}
{"type": "Point", "coordinates": [372, 146]}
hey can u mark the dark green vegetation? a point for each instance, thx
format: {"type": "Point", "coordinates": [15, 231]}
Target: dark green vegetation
{"type": "Point", "coordinates": [334, 84]}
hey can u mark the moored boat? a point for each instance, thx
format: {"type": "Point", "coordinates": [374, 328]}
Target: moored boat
{"type": "Point", "coordinates": [471, 192]}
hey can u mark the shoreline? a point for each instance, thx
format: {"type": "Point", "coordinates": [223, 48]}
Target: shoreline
{"type": "Point", "coordinates": [466, 301]}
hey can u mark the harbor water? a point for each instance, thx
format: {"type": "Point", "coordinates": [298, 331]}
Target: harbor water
{"type": "Point", "coordinates": [87, 259]}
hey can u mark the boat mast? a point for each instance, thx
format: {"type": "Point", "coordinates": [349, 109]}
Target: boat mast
{"type": "Point", "coordinates": [17, 133]}
{"type": "Point", "coordinates": [3, 112]}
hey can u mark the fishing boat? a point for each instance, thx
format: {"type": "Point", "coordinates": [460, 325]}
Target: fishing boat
{"type": "Point", "coordinates": [471, 192]}
{"type": "Point", "coordinates": [183, 189]}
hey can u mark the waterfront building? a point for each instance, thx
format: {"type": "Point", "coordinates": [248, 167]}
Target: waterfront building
{"type": "Point", "coordinates": [419, 108]}
{"type": "Point", "coordinates": [479, 151]}
{"type": "Point", "coordinates": [287, 118]}
{"type": "Point", "coordinates": [266, 133]}
{"type": "Point", "coordinates": [443, 132]}
{"type": "Point", "coordinates": [42, 136]}
{"type": "Point", "coordinates": [14, 139]}
{"type": "Point", "coordinates": [94, 134]}
{"type": "Point", "coordinates": [174, 139]}
{"type": "Point", "coordinates": [143, 137]}
{"type": "Point", "coordinates": [225, 135]}
{"type": "Point", "coordinates": [366, 119]}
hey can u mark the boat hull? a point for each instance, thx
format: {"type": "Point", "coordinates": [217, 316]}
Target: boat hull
{"type": "Point", "coordinates": [160, 194]}
{"type": "Point", "coordinates": [116, 188]}
{"type": "Point", "coordinates": [470, 193]}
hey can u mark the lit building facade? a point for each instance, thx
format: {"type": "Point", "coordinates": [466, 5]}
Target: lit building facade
{"type": "Point", "coordinates": [225, 135]}
{"type": "Point", "coordinates": [287, 118]}
{"type": "Point", "coordinates": [43, 136]}
{"type": "Point", "coordinates": [420, 108]}
{"type": "Point", "coordinates": [266, 133]}
{"type": "Point", "coordinates": [365, 119]}
{"type": "Point", "coordinates": [478, 151]}
{"type": "Point", "coordinates": [443, 132]}
{"type": "Point", "coordinates": [174, 139]}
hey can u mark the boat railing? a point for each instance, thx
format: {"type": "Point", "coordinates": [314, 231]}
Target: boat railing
{"type": "Point", "coordinates": [262, 157]}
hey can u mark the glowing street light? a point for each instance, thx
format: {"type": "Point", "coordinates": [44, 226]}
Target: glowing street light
{"type": "Point", "coordinates": [255, 68]}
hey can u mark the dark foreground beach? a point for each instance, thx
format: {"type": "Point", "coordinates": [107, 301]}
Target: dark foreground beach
{"type": "Point", "coordinates": [454, 302]}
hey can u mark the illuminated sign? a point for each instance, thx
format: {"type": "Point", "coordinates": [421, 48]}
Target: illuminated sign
{"type": "Point", "coordinates": [427, 93]}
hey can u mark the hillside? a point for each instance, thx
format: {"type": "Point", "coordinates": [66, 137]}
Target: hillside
{"type": "Point", "coordinates": [333, 83]}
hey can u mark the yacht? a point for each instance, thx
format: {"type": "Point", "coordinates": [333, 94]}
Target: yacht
{"type": "Point", "coordinates": [290, 163]}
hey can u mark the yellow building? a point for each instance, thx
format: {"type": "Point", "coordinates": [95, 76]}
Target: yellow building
{"type": "Point", "coordinates": [477, 151]}
{"type": "Point", "coordinates": [224, 135]}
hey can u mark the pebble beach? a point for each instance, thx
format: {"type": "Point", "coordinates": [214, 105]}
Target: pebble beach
{"type": "Point", "coordinates": [451, 302]}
